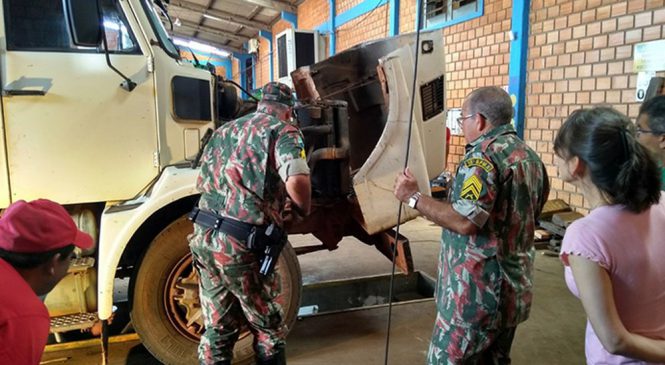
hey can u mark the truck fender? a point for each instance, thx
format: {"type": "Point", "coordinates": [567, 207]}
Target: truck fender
{"type": "Point", "coordinates": [118, 226]}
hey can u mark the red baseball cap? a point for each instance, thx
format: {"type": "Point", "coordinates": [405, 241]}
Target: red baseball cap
{"type": "Point", "coordinates": [39, 226]}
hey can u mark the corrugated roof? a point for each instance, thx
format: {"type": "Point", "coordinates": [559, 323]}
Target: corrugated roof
{"type": "Point", "coordinates": [226, 24]}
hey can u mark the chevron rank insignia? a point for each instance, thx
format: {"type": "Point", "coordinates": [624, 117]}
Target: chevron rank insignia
{"type": "Point", "coordinates": [471, 188]}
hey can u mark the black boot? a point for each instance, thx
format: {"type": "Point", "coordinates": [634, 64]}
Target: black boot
{"type": "Point", "coordinates": [279, 358]}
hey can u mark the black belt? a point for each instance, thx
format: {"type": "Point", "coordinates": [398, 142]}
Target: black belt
{"type": "Point", "coordinates": [207, 219]}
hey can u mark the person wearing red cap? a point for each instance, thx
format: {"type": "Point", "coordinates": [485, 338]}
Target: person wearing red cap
{"type": "Point", "coordinates": [37, 240]}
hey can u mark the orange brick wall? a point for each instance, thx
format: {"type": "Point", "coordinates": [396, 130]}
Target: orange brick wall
{"type": "Point", "coordinates": [311, 13]}
{"type": "Point", "coordinates": [407, 16]}
{"type": "Point", "coordinates": [344, 5]}
{"type": "Point", "coordinates": [235, 67]}
{"type": "Point", "coordinates": [262, 60]}
{"type": "Point", "coordinates": [372, 25]}
{"type": "Point", "coordinates": [580, 55]}
{"type": "Point", "coordinates": [477, 54]}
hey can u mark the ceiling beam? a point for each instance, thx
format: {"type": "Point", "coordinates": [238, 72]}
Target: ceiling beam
{"type": "Point", "coordinates": [274, 4]}
{"type": "Point", "coordinates": [215, 32]}
{"type": "Point", "coordinates": [211, 43]}
{"type": "Point", "coordinates": [253, 13]}
{"type": "Point", "coordinates": [222, 15]}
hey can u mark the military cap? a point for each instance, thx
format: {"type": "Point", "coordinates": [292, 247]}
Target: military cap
{"type": "Point", "coordinates": [278, 92]}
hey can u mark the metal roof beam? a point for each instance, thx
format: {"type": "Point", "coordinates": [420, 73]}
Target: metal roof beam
{"type": "Point", "coordinates": [274, 4]}
{"type": "Point", "coordinates": [221, 15]}
{"type": "Point", "coordinates": [216, 32]}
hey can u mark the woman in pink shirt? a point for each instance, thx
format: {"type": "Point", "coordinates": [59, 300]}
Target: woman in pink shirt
{"type": "Point", "coordinates": [614, 257]}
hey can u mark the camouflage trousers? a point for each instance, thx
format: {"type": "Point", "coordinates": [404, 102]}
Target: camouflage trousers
{"type": "Point", "coordinates": [234, 297]}
{"type": "Point", "coordinates": [469, 346]}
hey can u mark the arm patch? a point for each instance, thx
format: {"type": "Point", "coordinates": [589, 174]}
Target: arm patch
{"type": "Point", "coordinates": [479, 162]}
{"type": "Point", "coordinates": [471, 188]}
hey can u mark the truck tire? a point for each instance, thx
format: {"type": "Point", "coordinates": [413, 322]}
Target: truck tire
{"type": "Point", "coordinates": [165, 299]}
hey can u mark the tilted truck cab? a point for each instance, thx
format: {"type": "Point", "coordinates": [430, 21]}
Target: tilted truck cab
{"type": "Point", "coordinates": [109, 128]}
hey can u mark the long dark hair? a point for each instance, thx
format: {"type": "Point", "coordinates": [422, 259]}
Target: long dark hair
{"type": "Point", "coordinates": [618, 165]}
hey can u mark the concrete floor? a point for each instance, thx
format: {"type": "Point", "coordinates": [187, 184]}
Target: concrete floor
{"type": "Point", "coordinates": [553, 335]}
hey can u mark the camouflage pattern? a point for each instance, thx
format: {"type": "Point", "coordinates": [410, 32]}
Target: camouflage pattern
{"type": "Point", "coordinates": [470, 346]}
{"type": "Point", "coordinates": [242, 176]}
{"type": "Point", "coordinates": [278, 92]}
{"type": "Point", "coordinates": [234, 297]}
{"type": "Point", "coordinates": [245, 164]}
{"type": "Point", "coordinates": [485, 280]}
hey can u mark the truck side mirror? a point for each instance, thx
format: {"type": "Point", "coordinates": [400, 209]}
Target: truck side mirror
{"type": "Point", "coordinates": [84, 22]}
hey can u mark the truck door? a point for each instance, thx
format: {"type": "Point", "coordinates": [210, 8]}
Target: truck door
{"type": "Point", "coordinates": [72, 134]}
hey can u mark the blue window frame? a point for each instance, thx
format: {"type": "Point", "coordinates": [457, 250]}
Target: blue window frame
{"type": "Point", "coordinates": [443, 13]}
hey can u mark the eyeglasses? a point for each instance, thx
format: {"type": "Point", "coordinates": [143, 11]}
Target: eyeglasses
{"type": "Point", "coordinates": [460, 120]}
{"type": "Point", "coordinates": [639, 131]}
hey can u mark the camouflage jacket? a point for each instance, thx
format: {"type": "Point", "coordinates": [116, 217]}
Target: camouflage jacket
{"type": "Point", "coordinates": [245, 164]}
{"type": "Point", "coordinates": [501, 186]}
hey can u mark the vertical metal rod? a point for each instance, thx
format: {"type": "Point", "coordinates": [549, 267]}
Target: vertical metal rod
{"type": "Point", "coordinates": [406, 164]}
{"type": "Point", "coordinates": [105, 342]}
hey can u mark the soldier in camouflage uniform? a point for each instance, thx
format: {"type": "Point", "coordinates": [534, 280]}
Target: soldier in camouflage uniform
{"type": "Point", "coordinates": [248, 168]}
{"type": "Point", "coordinates": [486, 260]}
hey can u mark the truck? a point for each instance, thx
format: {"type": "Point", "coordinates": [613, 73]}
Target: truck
{"type": "Point", "coordinates": [101, 114]}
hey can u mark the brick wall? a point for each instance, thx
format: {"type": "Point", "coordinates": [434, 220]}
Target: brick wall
{"type": "Point", "coordinates": [312, 13]}
{"type": "Point", "coordinates": [407, 16]}
{"type": "Point", "coordinates": [372, 25]}
{"type": "Point", "coordinates": [580, 55]}
{"type": "Point", "coordinates": [477, 54]}
{"type": "Point", "coordinates": [263, 63]}
{"type": "Point", "coordinates": [344, 5]}
{"type": "Point", "coordinates": [235, 68]}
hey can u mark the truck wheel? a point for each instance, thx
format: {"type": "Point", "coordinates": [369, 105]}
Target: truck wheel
{"type": "Point", "coordinates": [165, 303]}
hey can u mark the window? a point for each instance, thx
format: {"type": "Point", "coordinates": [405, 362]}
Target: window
{"type": "Point", "coordinates": [164, 40]}
{"type": "Point", "coordinates": [249, 72]}
{"type": "Point", "coordinates": [441, 13]}
{"type": "Point", "coordinates": [40, 25]}
{"type": "Point", "coordinates": [119, 37]}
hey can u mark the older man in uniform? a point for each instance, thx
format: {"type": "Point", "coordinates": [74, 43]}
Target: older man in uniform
{"type": "Point", "coordinates": [487, 253]}
{"type": "Point", "coordinates": [249, 168]}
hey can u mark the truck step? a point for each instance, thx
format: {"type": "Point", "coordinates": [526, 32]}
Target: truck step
{"type": "Point", "coordinates": [70, 322]}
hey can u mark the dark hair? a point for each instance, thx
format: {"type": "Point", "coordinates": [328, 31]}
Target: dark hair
{"type": "Point", "coordinates": [618, 165]}
{"type": "Point", "coordinates": [32, 260]}
{"type": "Point", "coordinates": [654, 108]}
{"type": "Point", "coordinates": [493, 103]}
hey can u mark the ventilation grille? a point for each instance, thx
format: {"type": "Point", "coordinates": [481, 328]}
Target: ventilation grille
{"type": "Point", "coordinates": [431, 97]}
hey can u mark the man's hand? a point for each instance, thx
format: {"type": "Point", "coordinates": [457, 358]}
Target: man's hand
{"type": "Point", "coordinates": [291, 214]}
{"type": "Point", "coordinates": [405, 186]}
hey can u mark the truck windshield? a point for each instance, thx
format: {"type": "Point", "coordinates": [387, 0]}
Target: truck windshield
{"type": "Point", "coordinates": [164, 41]}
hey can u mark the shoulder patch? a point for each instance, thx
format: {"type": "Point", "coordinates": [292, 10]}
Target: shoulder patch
{"type": "Point", "coordinates": [471, 188]}
{"type": "Point", "coordinates": [480, 162]}
{"type": "Point", "coordinates": [302, 154]}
